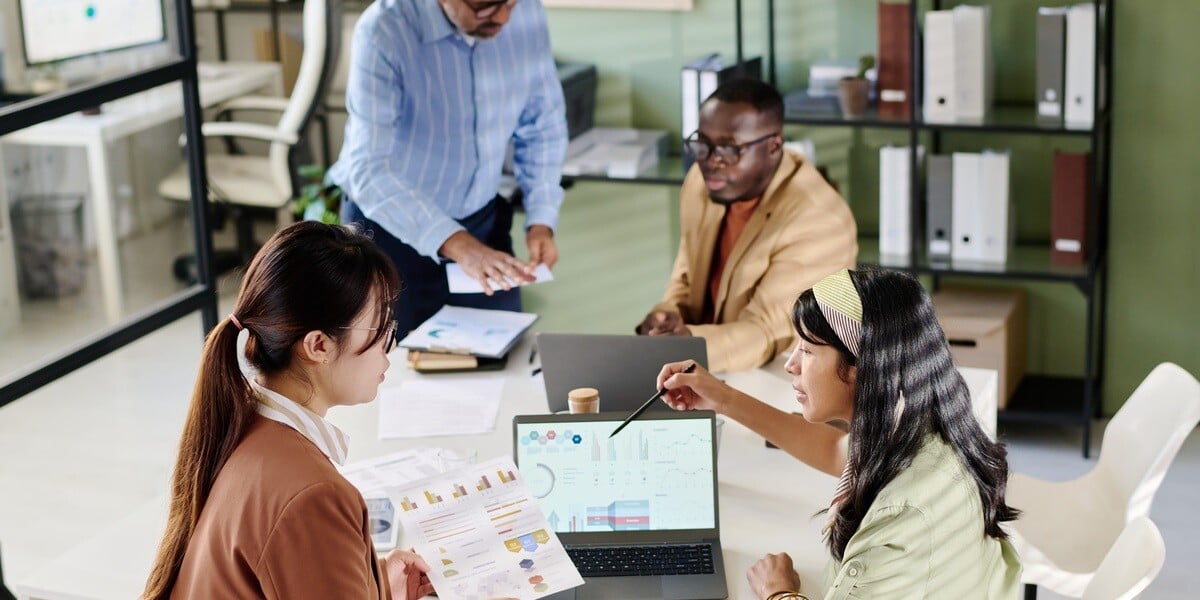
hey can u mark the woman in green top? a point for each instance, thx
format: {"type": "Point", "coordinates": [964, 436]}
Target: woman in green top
{"type": "Point", "coordinates": [920, 499]}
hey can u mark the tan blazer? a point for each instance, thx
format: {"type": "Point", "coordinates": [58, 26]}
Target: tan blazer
{"type": "Point", "coordinates": [800, 232]}
{"type": "Point", "coordinates": [281, 522]}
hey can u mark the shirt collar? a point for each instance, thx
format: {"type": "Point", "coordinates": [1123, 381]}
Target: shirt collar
{"type": "Point", "coordinates": [331, 441]}
{"type": "Point", "coordinates": [433, 23]}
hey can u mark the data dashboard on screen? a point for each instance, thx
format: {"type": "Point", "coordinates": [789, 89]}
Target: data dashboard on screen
{"type": "Point", "coordinates": [55, 30]}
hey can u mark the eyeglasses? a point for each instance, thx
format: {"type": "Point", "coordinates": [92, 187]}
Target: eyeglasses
{"type": "Point", "coordinates": [487, 9]}
{"type": "Point", "coordinates": [391, 338]}
{"type": "Point", "coordinates": [699, 148]}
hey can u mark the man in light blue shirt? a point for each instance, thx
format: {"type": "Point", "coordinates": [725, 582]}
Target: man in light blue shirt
{"type": "Point", "coordinates": [437, 91]}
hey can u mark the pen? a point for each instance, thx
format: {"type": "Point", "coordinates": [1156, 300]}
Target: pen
{"type": "Point", "coordinates": [641, 409]}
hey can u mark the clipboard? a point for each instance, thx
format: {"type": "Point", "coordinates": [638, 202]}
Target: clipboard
{"type": "Point", "coordinates": [482, 333]}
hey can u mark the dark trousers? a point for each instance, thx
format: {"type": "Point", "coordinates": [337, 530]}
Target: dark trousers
{"type": "Point", "coordinates": [423, 287]}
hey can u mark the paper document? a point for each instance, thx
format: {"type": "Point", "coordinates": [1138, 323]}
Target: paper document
{"type": "Point", "coordinates": [422, 407]}
{"type": "Point", "coordinates": [475, 331]}
{"type": "Point", "coordinates": [373, 477]}
{"type": "Point", "coordinates": [461, 283]}
{"type": "Point", "coordinates": [483, 534]}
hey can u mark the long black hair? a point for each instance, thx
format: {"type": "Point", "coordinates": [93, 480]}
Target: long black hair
{"type": "Point", "coordinates": [308, 277]}
{"type": "Point", "coordinates": [903, 349]}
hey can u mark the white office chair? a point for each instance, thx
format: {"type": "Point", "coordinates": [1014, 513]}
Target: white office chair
{"type": "Point", "coordinates": [1133, 562]}
{"type": "Point", "coordinates": [269, 181]}
{"type": "Point", "coordinates": [1066, 529]}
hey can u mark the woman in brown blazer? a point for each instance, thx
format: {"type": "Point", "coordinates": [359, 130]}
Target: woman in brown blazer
{"type": "Point", "coordinates": [258, 509]}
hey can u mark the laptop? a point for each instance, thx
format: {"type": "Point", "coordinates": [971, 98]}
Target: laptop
{"type": "Point", "coordinates": [622, 367]}
{"type": "Point", "coordinates": [637, 513]}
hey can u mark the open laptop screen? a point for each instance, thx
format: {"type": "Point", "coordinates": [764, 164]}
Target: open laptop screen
{"type": "Point", "coordinates": [656, 474]}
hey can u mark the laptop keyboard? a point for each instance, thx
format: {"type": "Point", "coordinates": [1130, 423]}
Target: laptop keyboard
{"type": "Point", "coordinates": [616, 561]}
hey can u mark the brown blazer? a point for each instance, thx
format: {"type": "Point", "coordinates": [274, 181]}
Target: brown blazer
{"type": "Point", "coordinates": [800, 232]}
{"type": "Point", "coordinates": [281, 522]}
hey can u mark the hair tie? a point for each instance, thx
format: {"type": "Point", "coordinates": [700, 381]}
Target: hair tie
{"type": "Point", "coordinates": [842, 307]}
{"type": "Point", "coordinates": [236, 323]}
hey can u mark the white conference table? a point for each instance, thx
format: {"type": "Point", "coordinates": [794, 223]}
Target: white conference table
{"type": "Point", "coordinates": [220, 82]}
{"type": "Point", "coordinates": [767, 499]}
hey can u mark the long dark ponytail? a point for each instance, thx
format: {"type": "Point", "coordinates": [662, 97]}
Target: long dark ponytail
{"type": "Point", "coordinates": [903, 349]}
{"type": "Point", "coordinates": [307, 277]}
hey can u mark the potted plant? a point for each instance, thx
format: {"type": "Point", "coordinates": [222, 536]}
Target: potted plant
{"type": "Point", "coordinates": [318, 201]}
{"type": "Point", "coordinates": [853, 92]}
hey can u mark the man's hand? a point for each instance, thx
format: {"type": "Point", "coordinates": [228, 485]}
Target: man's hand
{"type": "Point", "coordinates": [540, 240]}
{"type": "Point", "coordinates": [485, 264]}
{"type": "Point", "coordinates": [773, 573]}
{"type": "Point", "coordinates": [663, 322]}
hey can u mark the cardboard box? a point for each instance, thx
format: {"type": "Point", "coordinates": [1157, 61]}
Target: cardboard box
{"type": "Point", "coordinates": [986, 328]}
{"type": "Point", "coordinates": [291, 46]}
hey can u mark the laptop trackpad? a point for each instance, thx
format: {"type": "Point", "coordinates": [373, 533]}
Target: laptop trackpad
{"type": "Point", "coordinates": [608, 588]}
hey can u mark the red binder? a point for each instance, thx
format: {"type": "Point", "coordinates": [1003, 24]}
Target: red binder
{"type": "Point", "coordinates": [895, 61]}
{"type": "Point", "coordinates": [1072, 218]}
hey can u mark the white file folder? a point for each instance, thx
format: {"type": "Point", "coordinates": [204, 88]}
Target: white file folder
{"type": "Point", "coordinates": [972, 62]}
{"type": "Point", "coordinates": [1081, 56]}
{"type": "Point", "coordinates": [940, 95]}
{"type": "Point", "coordinates": [895, 207]}
{"type": "Point", "coordinates": [981, 212]}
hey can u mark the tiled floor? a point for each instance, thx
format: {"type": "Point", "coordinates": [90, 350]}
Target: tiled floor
{"type": "Point", "coordinates": [84, 450]}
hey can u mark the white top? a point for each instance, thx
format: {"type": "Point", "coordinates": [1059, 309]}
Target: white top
{"type": "Point", "coordinates": [331, 441]}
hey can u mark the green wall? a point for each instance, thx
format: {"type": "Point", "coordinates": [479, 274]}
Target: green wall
{"type": "Point", "coordinates": [1154, 272]}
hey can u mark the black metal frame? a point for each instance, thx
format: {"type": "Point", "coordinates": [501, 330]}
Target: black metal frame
{"type": "Point", "coordinates": [201, 297]}
{"type": "Point", "coordinates": [1043, 394]}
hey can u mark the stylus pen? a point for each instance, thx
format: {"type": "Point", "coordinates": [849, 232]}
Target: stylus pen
{"type": "Point", "coordinates": [641, 409]}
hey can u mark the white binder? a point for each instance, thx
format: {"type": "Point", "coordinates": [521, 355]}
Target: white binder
{"type": "Point", "coordinates": [895, 206]}
{"type": "Point", "coordinates": [1081, 57]}
{"type": "Point", "coordinates": [981, 211]}
{"type": "Point", "coordinates": [940, 95]}
{"type": "Point", "coordinates": [972, 62]}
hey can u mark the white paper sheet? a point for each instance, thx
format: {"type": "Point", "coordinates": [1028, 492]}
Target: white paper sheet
{"type": "Point", "coordinates": [424, 407]}
{"type": "Point", "coordinates": [372, 478]}
{"type": "Point", "coordinates": [461, 283]}
{"type": "Point", "coordinates": [484, 534]}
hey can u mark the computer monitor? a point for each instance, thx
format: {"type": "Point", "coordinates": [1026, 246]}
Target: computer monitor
{"type": "Point", "coordinates": [55, 30]}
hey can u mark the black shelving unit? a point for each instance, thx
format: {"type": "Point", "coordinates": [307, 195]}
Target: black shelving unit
{"type": "Point", "coordinates": [200, 297]}
{"type": "Point", "coordinates": [1040, 399]}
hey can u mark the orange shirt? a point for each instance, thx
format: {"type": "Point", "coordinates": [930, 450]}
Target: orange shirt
{"type": "Point", "coordinates": [732, 225]}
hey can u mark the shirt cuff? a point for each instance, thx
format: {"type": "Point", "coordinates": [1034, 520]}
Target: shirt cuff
{"type": "Point", "coordinates": [541, 207]}
{"type": "Point", "coordinates": [436, 235]}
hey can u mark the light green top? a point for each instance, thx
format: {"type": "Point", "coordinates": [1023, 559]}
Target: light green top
{"type": "Point", "coordinates": [923, 538]}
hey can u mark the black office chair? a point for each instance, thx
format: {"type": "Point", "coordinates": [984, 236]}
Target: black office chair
{"type": "Point", "coordinates": [242, 185]}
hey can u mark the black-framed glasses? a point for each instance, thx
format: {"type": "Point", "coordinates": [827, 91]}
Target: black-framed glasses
{"type": "Point", "coordinates": [699, 148]}
{"type": "Point", "coordinates": [484, 10]}
{"type": "Point", "coordinates": [391, 339]}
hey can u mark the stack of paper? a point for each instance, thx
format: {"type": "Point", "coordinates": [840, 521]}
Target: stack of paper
{"type": "Point", "coordinates": [458, 330]}
{"type": "Point", "coordinates": [461, 283]}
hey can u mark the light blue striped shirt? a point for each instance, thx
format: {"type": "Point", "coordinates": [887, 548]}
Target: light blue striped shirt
{"type": "Point", "coordinates": [431, 116]}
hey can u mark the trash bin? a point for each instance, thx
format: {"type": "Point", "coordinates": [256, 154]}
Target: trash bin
{"type": "Point", "coordinates": [48, 232]}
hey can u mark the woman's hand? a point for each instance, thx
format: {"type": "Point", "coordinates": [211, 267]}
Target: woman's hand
{"type": "Point", "coordinates": [406, 572]}
{"type": "Point", "coordinates": [697, 390]}
{"type": "Point", "coordinates": [773, 573]}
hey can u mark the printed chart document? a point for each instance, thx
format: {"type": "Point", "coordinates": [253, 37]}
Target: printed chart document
{"type": "Point", "coordinates": [372, 478]}
{"type": "Point", "coordinates": [424, 407]}
{"type": "Point", "coordinates": [483, 534]}
{"type": "Point", "coordinates": [461, 283]}
{"type": "Point", "coordinates": [477, 331]}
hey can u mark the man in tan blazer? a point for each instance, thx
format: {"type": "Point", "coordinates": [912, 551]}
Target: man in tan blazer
{"type": "Point", "coordinates": [759, 225]}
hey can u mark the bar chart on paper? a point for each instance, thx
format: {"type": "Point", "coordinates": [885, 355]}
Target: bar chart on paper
{"type": "Point", "coordinates": [484, 534]}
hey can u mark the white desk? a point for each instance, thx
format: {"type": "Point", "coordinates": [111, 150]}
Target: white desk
{"type": "Point", "coordinates": [767, 498]}
{"type": "Point", "coordinates": [125, 117]}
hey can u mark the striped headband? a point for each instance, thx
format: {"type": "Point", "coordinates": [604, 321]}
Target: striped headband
{"type": "Point", "coordinates": [842, 307]}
